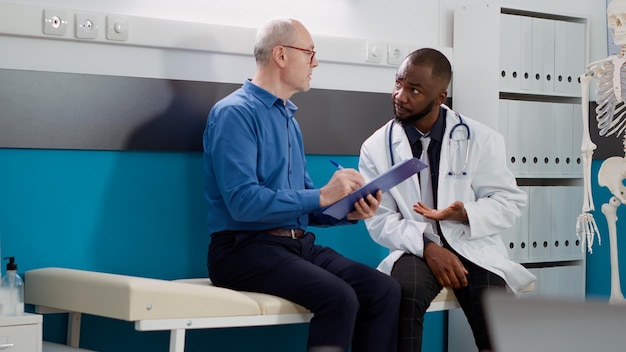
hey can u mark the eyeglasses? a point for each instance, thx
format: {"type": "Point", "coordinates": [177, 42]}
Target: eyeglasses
{"type": "Point", "coordinates": [308, 51]}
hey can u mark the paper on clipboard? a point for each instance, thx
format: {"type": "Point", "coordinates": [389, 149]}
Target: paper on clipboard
{"type": "Point", "coordinates": [383, 182]}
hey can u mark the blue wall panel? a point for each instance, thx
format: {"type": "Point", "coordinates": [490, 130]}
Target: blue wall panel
{"type": "Point", "coordinates": [141, 213]}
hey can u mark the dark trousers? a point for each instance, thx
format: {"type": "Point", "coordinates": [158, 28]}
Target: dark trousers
{"type": "Point", "coordinates": [419, 288]}
{"type": "Point", "coordinates": [353, 304]}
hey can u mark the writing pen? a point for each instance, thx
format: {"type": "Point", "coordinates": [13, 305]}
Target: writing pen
{"type": "Point", "coordinates": [337, 165]}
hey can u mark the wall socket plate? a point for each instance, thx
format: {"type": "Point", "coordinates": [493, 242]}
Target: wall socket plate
{"type": "Point", "coordinates": [86, 26]}
{"type": "Point", "coordinates": [396, 53]}
{"type": "Point", "coordinates": [55, 22]}
{"type": "Point", "coordinates": [117, 27]}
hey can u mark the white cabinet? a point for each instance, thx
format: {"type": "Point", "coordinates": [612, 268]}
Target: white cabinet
{"type": "Point", "coordinates": [517, 71]}
{"type": "Point", "coordinates": [21, 334]}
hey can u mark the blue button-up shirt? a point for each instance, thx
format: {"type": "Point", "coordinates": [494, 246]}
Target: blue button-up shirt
{"type": "Point", "coordinates": [255, 167]}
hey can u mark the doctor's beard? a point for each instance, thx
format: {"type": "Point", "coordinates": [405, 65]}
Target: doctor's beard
{"type": "Point", "coordinates": [415, 117]}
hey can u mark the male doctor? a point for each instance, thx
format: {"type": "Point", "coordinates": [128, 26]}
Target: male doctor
{"type": "Point", "coordinates": [443, 226]}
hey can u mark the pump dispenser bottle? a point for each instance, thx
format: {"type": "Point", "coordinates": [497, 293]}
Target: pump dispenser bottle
{"type": "Point", "coordinates": [12, 291]}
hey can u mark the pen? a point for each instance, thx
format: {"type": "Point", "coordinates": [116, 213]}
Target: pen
{"type": "Point", "coordinates": [337, 165]}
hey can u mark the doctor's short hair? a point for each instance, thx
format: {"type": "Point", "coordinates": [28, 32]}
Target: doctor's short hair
{"type": "Point", "coordinates": [430, 57]}
{"type": "Point", "coordinates": [278, 31]}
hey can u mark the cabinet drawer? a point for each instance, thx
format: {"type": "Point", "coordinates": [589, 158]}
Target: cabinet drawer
{"type": "Point", "coordinates": [19, 338]}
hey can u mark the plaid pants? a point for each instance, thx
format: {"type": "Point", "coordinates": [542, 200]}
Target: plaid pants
{"type": "Point", "coordinates": [419, 287]}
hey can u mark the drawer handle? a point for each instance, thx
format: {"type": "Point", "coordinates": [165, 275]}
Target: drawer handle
{"type": "Point", "coordinates": [6, 345]}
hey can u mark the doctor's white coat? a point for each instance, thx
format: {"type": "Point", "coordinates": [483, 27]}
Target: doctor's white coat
{"type": "Point", "coordinates": [489, 191]}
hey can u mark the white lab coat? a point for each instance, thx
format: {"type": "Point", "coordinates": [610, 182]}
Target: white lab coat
{"type": "Point", "coordinates": [489, 191]}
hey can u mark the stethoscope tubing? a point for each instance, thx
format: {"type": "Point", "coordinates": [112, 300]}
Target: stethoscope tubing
{"type": "Point", "coordinates": [460, 124]}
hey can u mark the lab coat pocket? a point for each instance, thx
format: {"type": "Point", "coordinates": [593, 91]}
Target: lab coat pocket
{"type": "Point", "coordinates": [455, 188]}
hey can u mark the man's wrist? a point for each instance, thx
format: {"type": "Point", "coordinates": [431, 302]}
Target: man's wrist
{"type": "Point", "coordinates": [427, 243]}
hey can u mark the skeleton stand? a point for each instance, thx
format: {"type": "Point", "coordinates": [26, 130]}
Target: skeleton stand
{"type": "Point", "coordinates": [611, 119]}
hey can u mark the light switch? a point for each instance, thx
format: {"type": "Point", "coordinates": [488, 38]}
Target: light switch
{"type": "Point", "coordinates": [117, 28]}
{"type": "Point", "coordinates": [375, 51]}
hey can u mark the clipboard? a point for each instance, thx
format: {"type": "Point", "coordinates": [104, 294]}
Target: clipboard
{"type": "Point", "coordinates": [383, 182]}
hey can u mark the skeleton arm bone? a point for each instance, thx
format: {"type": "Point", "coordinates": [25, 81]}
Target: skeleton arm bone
{"type": "Point", "coordinates": [587, 146]}
{"type": "Point", "coordinates": [586, 227]}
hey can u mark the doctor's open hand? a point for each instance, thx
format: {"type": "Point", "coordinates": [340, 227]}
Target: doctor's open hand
{"type": "Point", "coordinates": [454, 212]}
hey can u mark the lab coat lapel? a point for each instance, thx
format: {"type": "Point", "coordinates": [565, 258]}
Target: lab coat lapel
{"type": "Point", "coordinates": [408, 190]}
{"type": "Point", "coordinates": [400, 144]}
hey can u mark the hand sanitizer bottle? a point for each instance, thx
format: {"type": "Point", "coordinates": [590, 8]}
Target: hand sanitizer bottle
{"type": "Point", "coordinates": [12, 288]}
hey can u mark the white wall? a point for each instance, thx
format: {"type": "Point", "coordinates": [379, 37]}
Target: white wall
{"type": "Point", "coordinates": [414, 22]}
{"type": "Point", "coordinates": [424, 21]}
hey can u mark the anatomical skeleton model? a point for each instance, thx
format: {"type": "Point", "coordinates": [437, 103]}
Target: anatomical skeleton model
{"type": "Point", "coordinates": [611, 118]}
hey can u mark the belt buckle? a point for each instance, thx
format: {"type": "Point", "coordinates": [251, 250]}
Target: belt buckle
{"type": "Point", "coordinates": [293, 234]}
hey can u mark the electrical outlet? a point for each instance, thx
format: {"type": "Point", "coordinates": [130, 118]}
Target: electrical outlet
{"type": "Point", "coordinates": [86, 26]}
{"type": "Point", "coordinates": [54, 22]}
{"type": "Point", "coordinates": [117, 28]}
{"type": "Point", "coordinates": [375, 51]}
{"type": "Point", "coordinates": [396, 53]}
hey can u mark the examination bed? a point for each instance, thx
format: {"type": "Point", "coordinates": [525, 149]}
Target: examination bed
{"type": "Point", "coordinates": [155, 305]}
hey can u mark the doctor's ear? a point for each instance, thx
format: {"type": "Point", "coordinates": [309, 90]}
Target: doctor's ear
{"type": "Point", "coordinates": [442, 96]}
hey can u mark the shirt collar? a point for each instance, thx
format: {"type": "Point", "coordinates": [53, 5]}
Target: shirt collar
{"type": "Point", "coordinates": [268, 99]}
{"type": "Point", "coordinates": [436, 133]}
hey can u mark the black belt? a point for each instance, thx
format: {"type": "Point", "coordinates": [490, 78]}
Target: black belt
{"type": "Point", "coordinates": [293, 233]}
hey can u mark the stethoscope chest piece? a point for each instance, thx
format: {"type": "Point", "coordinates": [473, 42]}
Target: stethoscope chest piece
{"type": "Point", "coordinates": [458, 148]}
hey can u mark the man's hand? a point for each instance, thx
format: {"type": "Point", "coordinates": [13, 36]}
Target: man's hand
{"type": "Point", "coordinates": [446, 266]}
{"type": "Point", "coordinates": [366, 207]}
{"type": "Point", "coordinates": [340, 185]}
{"type": "Point", "coordinates": [455, 212]}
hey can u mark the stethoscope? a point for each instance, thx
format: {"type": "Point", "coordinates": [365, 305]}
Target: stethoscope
{"type": "Point", "coordinates": [456, 130]}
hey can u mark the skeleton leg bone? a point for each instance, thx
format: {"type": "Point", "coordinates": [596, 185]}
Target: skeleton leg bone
{"type": "Point", "coordinates": [611, 175]}
{"type": "Point", "coordinates": [610, 212]}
